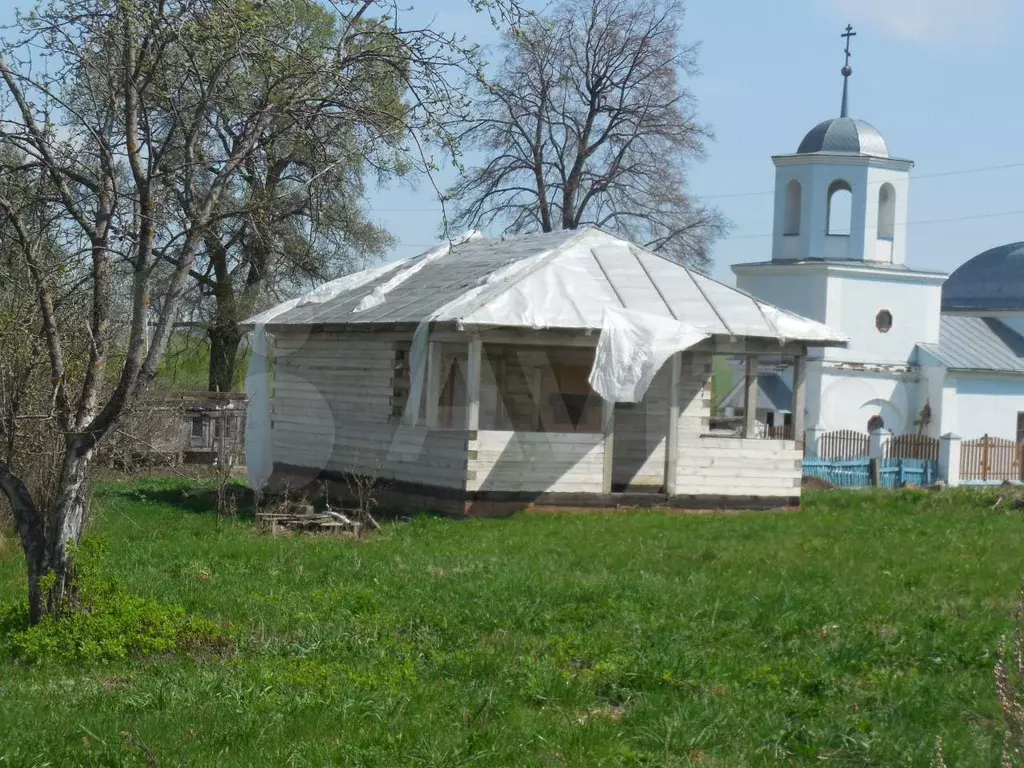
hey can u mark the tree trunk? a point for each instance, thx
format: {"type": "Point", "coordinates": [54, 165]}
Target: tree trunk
{"type": "Point", "coordinates": [68, 520]}
{"type": "Point", "coordinates": [224, 341]}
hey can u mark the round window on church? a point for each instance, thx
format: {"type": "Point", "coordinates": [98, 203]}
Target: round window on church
{"type": "Point", "coordinates": [883, 321]}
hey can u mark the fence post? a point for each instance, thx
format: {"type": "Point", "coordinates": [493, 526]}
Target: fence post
{"type": "Point", "coordinates": [984, 457]}
{"type": "Point", "coordinates": [949, 459]}
{"type": "Point", "coordinates": [877, 441]}
{"type": "Point", "coordinates": [812, 441]}
{"type": "Point", "coordinates": [875, 471]}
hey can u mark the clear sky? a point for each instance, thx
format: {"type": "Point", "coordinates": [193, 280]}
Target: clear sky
{"type": "Point", "coordinates": [940, 79]}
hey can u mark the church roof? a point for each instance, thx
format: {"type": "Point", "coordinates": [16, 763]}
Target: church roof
{"type": "Point", "coordinates": [970, 343]}
{"type": "Point", "coordinates": [993, 280]}
{"type": "Point", "coordinates": [563, 280]}
{"type": "Point", "coordinates": [773, 394]}
{"type": "Point", "coordinates": [844, 135]}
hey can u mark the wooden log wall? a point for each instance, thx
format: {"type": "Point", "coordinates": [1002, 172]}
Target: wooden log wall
{"type": "Point", "coordinates": [641, 431]}
{"type": "Point", "coordinates": [336, 406]}
{"type": "Point", "coordinates": [727, 466]}
{"type": "Point", "coordinates": [554, 462]}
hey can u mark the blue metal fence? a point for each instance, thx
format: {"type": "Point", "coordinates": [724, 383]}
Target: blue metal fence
{"type": "Point", "coordinates": [896, 473]}
{"type": "Point", "coordinates": [845, 473]}
{"type": "Point", "coordinates": [856, 473]}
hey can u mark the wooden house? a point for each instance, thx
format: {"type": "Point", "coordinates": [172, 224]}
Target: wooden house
{"type": "Point", "coordinates": [470, 379]}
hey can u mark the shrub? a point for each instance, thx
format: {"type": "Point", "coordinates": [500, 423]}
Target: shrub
{"type": "Point", "coordinates": [109, 623]}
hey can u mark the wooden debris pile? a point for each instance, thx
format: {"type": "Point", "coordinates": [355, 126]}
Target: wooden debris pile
{"type": "Point", "coordinates": [1009, 501]}
{"type": "Point", "coordinates": [303, 516]}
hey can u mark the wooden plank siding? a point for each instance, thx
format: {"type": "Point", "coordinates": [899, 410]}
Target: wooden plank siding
{"type": "Point", "coordinates": [727, 466]}
{"type": "Point", "coordinates": [553, 462]}
{"type": "Point", "coordinates": [334, 408]}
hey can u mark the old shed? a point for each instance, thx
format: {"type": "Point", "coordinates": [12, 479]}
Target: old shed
{"type": "Point", "coordinates": [569, 368]}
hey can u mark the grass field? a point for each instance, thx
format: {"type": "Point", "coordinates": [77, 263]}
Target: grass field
{"type": "Point", "coordinates": [851, 633]}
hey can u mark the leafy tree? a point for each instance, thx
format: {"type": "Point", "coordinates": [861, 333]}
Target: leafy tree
{"type": "Point", "coordinates": [588, 121]}
{"type": "Point", "coordinates": [128, 126]}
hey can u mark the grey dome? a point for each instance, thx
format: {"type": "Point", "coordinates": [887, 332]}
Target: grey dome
{"type": "Point", "coordinates": [992, 280]}
{"type": "Point", "coordinates": [844, 135]}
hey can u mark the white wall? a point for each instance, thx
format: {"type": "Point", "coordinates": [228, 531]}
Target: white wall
{"type": "Point", "coordinates": [850, 398]}
{"type": "Point", "coordinates": [865, 177]}
{"type": "Point", "coordinates": [987, 405]}
{"type": "Point", "coordinates": [854, 300]}
{"type": "Point", "coordinates": [804, 293]}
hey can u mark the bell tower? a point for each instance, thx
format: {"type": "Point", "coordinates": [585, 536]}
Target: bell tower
{"type": "Point", "coordinates": [840, 196]}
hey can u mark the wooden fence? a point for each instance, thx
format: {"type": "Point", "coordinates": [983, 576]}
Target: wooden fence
{"type": "Point", "coordinates": [912, 447]}
{"type": "Point", "coordinates": [778, 433]}
{"type": "Point", "coordinates": [843, 444]}
{"type": "Point", "coordinates": [990, 459]}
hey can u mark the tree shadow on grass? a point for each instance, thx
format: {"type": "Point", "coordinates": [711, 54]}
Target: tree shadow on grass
{"type": "Point", "coordinates": [239, 500]}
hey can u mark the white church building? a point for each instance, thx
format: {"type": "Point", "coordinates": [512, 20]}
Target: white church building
{"type": "Point", "coordinates": [929, 353]}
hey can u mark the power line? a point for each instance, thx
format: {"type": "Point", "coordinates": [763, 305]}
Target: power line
{"type": "Point", "coordinates": [907, 225]}
{"type": "Point", "coordinates": [730, 195]}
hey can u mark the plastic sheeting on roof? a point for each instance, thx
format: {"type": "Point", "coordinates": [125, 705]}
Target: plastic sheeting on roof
{"type": "Point", "coordinates": [631, 350]}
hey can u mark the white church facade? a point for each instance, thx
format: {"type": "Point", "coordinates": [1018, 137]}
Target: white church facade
{"type": "Point", "coordinates": [929, 353]}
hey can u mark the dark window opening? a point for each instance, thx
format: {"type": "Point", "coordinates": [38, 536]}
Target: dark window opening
{"type": "Point", "coordinates": [197, 426]}
{"type": "Point", "coordinates": [883, 321]}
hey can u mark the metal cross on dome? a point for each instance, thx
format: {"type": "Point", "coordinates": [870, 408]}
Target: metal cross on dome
{"type": "Point", "coordinates": [846, 70]}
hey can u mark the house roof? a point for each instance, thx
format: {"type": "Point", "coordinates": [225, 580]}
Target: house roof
{"type": "Point", "coordinates": [555, 280]}
{"type": "Point", "coordinates": [773, 394]}
{"type": "Point", "coordinates": [970, 343]}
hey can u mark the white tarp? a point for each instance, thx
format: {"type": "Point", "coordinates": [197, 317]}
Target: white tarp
{"type": "Point", "coordinates": [631, 350]}
{"type": "Point", "coordinates": [259, 460]}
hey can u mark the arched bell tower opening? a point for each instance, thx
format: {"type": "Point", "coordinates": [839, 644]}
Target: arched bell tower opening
{"type": "Point", "coordinates": [839, 210]}
{"type": "Point", "coordinates": [794, 200]}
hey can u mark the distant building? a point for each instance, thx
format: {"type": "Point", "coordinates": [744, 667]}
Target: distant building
{"type": "Point", "coordinates": [926, 355]}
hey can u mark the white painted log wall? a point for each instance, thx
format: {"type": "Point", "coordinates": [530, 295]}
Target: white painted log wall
{"type": "Point", "coordinates": [332, 409]}
{"type": "Point", "coordinates": [640, 436]}
{"type": "Point", "coordinates": [727, 466]}
{"type": "Point", "coordinates": [556, 462]}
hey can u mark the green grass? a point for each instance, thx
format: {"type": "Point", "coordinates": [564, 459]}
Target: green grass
{"type": "Point", "coordinates": [851, 633]}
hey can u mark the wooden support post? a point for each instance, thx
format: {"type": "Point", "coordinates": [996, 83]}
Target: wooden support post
{"type": "Point", "coordinates": [433, 387]}
{"type": "Point", "coordinates": [473, 384]}
{"type": "Point", "coordinates": [750, 396]}
{"type": "Point", "coordinates": [799, 397]}
{"type": "Point", "coordinates": [608, 427]}
{"type": "Point", "coordinates": [537, 390]}
{"type": "Point", "coordinates": [672, 438]}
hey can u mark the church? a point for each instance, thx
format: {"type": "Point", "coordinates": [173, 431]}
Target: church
{"type": "Point", "coordinates": [929, 353]}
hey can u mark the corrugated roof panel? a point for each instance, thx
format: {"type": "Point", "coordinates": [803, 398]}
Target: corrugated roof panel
{"type": "Point", "coordinates": [560, 279]}
{"type": "Point", "coordinates": [970, 343]}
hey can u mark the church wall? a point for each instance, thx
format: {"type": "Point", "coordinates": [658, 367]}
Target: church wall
{"type": "Point", "coordinates": [988, 405]}
{"type": "Point", "coordinates": [854, 302]}
{"type": "Point", "coordinates": [930, 392]}
{"type": "Point", "coordinates": [850, 398]}
{"type": "Point", "coordinates": [803, 294]}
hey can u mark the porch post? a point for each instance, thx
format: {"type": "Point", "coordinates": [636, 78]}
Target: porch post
{"type": "Point", "coordinates": [473, 384]}
{"type": "Point", "coordinates": [433, 383]}
{"type": "Point", "coordinates": [672, 438]}
{"type": "Point", "coordinates": [799, 397]}
{"type": "Point", "coordinates": [750, 396]}
{"type": "Point", "coordinates": [608, 427]}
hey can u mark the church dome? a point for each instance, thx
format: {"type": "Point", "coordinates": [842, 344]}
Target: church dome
{"type": "Point", "coordinates": [993, 280]}
{"type": "Point", "coordinates": [844, 135]}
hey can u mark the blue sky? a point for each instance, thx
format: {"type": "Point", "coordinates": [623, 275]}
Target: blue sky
{"type": "Point", "coordinates": [938, 78]}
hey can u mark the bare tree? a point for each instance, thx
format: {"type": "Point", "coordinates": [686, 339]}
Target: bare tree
{"type": "Point", "coordinates": [123, 126]}
{"type": "Point", "coordinates": [588, 121]}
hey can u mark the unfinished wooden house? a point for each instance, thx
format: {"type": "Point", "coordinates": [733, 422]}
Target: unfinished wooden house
{"type": "Point", "coordinates": [569, 368]}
